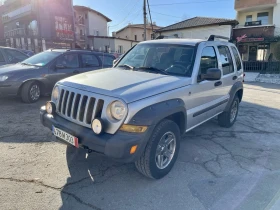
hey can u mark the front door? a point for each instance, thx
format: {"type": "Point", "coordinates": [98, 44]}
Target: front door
{"type": "Point", "coordinates": [65, 66]}
{"type": "Point", "coordinates": [252, 53]}
{"type": "Point", "coordinates": [2, 59]}
{"type": "Point", "coordinates": [89, 62]}
{"type": "Point", "coordinates": [207, 98]}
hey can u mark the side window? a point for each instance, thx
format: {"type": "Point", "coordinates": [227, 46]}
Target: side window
{"type": "Point", "coordinates": [107, 60]}
{"type": "Point", "coordinates": [89, 60]}
{"type": "Point", "coordinates": [237, 58]}
{"type": "Point", "coordinates": [208, 60]}
{"type": "Point", "coordinates": [226, 59]}
{"type": "Point", "coordinates": [68, 61]}
{"type": "Point", "coordinates": [1, 57]}
{"type": "Point", "coordinates": [14, 55]}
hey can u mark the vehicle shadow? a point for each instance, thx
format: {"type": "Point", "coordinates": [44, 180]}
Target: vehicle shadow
{"type": "Point", "coordinates": [247, 149]}
{"type": "Point", "coordinates": [20, 123]}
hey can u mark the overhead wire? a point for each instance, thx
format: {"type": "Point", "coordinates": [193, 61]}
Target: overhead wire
{"type": "Point", "coordinates": [193, 2]}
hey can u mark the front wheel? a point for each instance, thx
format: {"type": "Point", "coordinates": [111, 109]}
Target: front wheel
{"type": "Point", "coordinates": [161, 151]}
{"type": "Point", "coordinates": [30, 92]}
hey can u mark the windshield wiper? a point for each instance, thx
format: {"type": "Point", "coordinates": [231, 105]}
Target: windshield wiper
{"type": "Point", "coordinates": [126, 65]}
{"type": "Point", "coordinates": [150, 68]}
{"type": "Point", "coordinates": [29, 64]}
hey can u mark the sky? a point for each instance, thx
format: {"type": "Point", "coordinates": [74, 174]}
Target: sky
{"type": "Point", "coordinates": [163, 12]}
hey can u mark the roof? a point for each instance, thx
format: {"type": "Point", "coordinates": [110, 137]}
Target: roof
{"type": "Point", "coordinates": [112, 37]}
{"type": "Point", "coordinates": [78, 7]}
{"type": "Point", "coordinates": [198, 22]}
{"type": "Point", "coordinates": [139, 26]}
{"type": "Point", "coordinates": [191, 42]}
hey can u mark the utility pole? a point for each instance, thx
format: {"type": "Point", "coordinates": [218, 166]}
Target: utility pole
{"type": "Point", "coordinates": [145, 19]}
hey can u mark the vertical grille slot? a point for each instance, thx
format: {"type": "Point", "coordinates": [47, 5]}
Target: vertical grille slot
{"type": "Point", "coordinates": [75, 105]}
{"type": "Point", "coordinates": [89, 112]}
{"type": "Point", "coordinates": [60, 100]}
{"type": "Point", "coordinates": [70, 104]}
{"type": "Point", "coordinates": [64, 102]}
{"type": "Point", "coordinates": [82, 108]}
{"type": "Point", "coordinates": [99, 108]}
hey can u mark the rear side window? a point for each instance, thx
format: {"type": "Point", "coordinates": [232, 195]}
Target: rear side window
{"type": "Point", "coordinates": [68, 61]}
{"type": "Point", "coordinates": [107, 60]}
{"type": "Point", "coordinates": [89, 60]}
{"type": "Point", "coordinates": [226, 59]}
{"type": "Point", "coordinates": [208, 60]}
{"type": "Point", "coordinates": [1, 57]}
{"type": "Point", "coordinates": [14, 55]}
{"type": "Point", "coordinates": [237, 58]}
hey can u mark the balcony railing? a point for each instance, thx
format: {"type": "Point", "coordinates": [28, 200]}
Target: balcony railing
{"type": "Point", "coordinates": [253, 23]}
{"type": "Point", "coordinates": [25, 10]}
{"type": "Point", "coordinates": [15, 32]}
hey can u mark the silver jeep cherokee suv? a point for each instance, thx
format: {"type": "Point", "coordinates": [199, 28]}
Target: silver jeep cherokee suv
{"type": "Point", "coordinates": [138, 110]}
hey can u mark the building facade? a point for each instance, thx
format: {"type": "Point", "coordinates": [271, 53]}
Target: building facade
{"type": "Point", "coordinates": [199, 28]}
{"type": "Point", "coordinates": [258, 31]}
{"type": "Point", "coordinates": [2, 41]}
{"type": "Point", "coordinates": [89, 22]}
{"type": "Point", "coordinates": [136, 32]}
{"type": "Point", "coordinates": [38, 24]}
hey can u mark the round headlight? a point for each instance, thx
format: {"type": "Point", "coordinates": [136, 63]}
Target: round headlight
{"type": "Point", "coordinates": [55, 94]}
{"type": "Point", "coordinates": [118, 110]}
{"type": "Point", "coordinates": [97, 126]}
{"type": "Point", "coordinates": [50, 107]}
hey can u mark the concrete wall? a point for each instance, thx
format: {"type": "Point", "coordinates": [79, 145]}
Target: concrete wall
{"type": "Point", "coordinates": [97, 23]}
{"type": "Point", "coordinates": [200, 32]}
{"type": "Point", "coordinates": [276, 15]}
{"type": "Point", "coordinates": [241, 16]}
{"type": "Point", "coordinates": [126, 45]}
{"type": "Point", "coordinates": [130, 32]}
{"type": "Point", "coordinates": [243, 4]}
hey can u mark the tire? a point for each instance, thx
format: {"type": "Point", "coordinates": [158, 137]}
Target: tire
{"type": "Point", "coordinates": [147, 164]}
{"type": "Point", "coordinates": [26, 94]}
{"type": "Point", "coordinates": [226, 119]}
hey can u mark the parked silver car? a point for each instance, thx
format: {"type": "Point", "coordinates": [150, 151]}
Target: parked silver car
{"type": "Point", "coordinates": [138, 110]}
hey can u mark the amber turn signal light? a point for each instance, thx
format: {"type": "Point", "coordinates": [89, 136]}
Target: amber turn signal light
{"type": "Point", "coordinates": [133, 149]}
{"type": "Point", "coordinates": [133, 128]}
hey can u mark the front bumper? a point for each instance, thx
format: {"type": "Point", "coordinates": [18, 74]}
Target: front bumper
{"type": "Point", "coordinates": [116, 146]}
{"type": "Point", "coordinates": [9, 88]}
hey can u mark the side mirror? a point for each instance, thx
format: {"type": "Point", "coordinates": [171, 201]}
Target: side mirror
{"type": "Point", "coordinates": [212, 74]}
{"type": "Point", "coordinates": [59, 66]}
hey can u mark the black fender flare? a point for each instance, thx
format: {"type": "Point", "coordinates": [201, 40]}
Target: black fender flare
{"type": "Point", "coordinates": [234, 89]}
{"type": "Point", "coordinates": [153, 114]}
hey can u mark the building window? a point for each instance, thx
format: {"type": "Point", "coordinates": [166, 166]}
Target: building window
{"type": "Point", "coordinates": [263, 51]}
{"type": "Point", "coordinates": [249, 18]}
{"type": "Point", "coordinates": [86, 16]}
{"type": "Point", "coordinates": [263, 17]}
{"type": "Point", "coordinates": [120, 49]}
{"type": "Point", "coordinates": [135, 37]}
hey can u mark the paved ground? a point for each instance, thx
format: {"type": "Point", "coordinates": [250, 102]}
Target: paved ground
{"type": "Point", "coordinates": [236, 168]}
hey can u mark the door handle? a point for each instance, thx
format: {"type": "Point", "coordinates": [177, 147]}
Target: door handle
{"type": "Point", "coordinates": [234, 78]}
{"type": "Point", "coordinates": [218, 83]}
{"type": "Point", "coordinates": [76, 72]}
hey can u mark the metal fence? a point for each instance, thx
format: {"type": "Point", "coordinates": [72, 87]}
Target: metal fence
{"type": "Point", "coordinates": [264, 67]}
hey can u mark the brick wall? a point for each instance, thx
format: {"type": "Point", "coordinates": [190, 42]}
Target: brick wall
{"type": "Point", "coordinates": [242, 4]}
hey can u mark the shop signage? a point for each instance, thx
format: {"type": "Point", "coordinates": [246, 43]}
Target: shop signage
{"type": "Point", "coordinates": [239, 39]}
{"type": "Point", "coordinates": [252, 40]}
{"type": "Point", "coordinates": [64, 28]}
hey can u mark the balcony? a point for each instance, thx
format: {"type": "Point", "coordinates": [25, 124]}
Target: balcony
{"type": "Point", "coordinates": [15, 33]}
{"type": "Point", "coordinates": [17, 13]}
{"type": "Point", "coordinates": [253, 23]}
{"type": "Point", "coordinates": [254, 33]}
{"type": "Point", "coordinates": [253, 4]}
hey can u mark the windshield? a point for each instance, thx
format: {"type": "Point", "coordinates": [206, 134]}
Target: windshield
{"type": "Point", "coordinates": [169, 58]}
{"type": "Point", "coordinates": [42, 59]}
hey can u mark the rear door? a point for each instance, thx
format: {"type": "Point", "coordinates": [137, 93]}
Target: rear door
{"type": "Point", "coordinates": [229, 72]}
{"type": "Point", "coordinates": [238, 63]}
{"type": "Point", "coordinates": [2, 59]}
{"type": "Point", "coordinates": [106, 60]}
{"type": "Point", "coordinates": [89, 62]}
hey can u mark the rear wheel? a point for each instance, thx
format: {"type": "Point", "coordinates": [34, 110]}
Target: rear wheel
{"type": "Point", "coordinates": [30, 92]}
{"type": "Point", "coordinates": [228, 118]}
{"type": "Point", "coordinates": [161, 151]}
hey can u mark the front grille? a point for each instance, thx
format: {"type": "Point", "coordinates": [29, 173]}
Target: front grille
{"type": "Point", "coordinates": [79, 107]}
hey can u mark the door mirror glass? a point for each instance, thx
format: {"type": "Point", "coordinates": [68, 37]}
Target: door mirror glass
{"type": "Point", "coordinates": [212, 74]}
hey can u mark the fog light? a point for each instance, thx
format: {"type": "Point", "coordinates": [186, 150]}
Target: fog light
{"type": "Point", "coordinates": [133, 128]}
{"type": "Point", "coordinates": [50, 107]}
{"type": "Point", "coordinates": [133, 149]}
{"type": "Point", "coordinates": [97, 126]}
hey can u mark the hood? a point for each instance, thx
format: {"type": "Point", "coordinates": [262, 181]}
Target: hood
{"type": "Point", "coordinates": [125, 84]}
{"type": "Point", "coordinates": [12, 68]}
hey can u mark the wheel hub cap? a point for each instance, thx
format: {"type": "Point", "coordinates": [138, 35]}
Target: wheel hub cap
{"type": "Point", "coordinates": [165, 150]}
{"type": "Point", "coordinates": [233, 111]}
{"type": "Point", "coordinates": [35, 92]}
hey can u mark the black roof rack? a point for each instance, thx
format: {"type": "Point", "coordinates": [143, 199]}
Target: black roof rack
{"type": "Point", "coordinates": [212, 37]}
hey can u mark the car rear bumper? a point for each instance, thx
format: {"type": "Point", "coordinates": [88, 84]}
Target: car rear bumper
{"type": "Point", "coordinates": [116, 146]}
